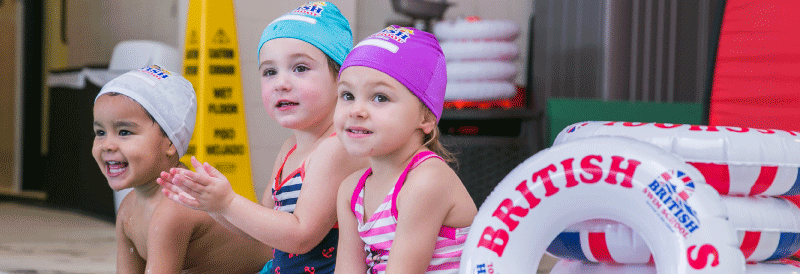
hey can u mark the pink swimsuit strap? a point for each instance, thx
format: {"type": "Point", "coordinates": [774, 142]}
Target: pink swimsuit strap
{"type": "Point", "coordinates": [416, 161]}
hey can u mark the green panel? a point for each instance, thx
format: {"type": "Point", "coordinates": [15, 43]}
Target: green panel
{"type": "Point", "coordinates": [564, 112]}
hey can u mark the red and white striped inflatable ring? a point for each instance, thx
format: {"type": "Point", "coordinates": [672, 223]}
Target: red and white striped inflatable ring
{"type": "Point", "coordinates": [479, 50]}
{"type": "Point", "coordinates": [476, 30]}
{"type": "Point", "coordinates": [481, 71]}
{"type": "Point", "coordinates": [579, 267]}
{"type": "Point", "coordinates": [768, 229]}
{"type": "Point", "coordinates": [479, 91]}
{"type": "Point", "coordinates": [612, 178]}
{"type": "Point", "coordinates": [734, 160]}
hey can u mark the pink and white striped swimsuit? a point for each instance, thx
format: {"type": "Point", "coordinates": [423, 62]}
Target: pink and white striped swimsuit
{"type": "Point", "coordinates": [379, 231]}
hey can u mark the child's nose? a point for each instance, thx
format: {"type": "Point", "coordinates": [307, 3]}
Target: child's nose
{"type": "Point", "coordinates": [282, 82]}
{"type": "Point", "coordinates": [358, 110]}
{"type": "Point", "coordinates": [108, 144]}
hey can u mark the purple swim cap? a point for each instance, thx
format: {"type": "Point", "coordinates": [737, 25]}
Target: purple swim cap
{"type": "Point", "coordinates": [411, 56]}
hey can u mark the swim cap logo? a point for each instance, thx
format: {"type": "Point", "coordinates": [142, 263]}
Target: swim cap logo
{"type": "Point", "coordinates": [156, 71]}
{"type": "Point", "coordinates": [669, 194]}
{"type": "Point", "coordinates": [311, 8]}
{"type": "Point", "coordinates": [400, 34]}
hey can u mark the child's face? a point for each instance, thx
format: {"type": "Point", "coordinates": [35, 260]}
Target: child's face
{"type": "Point", "coordinates": [297, 87]}
{"type": "Point", "coordinates": [128, 146]}
{"type": "Point", "coordinates": [377, 115]}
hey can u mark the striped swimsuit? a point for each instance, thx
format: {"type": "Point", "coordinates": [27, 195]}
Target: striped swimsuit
{"type": "Point", "coordinates": [321, 259]}
{"type": "Point", "coordinates": [379, 231]}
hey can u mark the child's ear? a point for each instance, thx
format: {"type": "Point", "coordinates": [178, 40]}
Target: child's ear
{"type": "Point", "coordinates": [428, 123]}
{"type": "Point", "coordinates": [172, 150]}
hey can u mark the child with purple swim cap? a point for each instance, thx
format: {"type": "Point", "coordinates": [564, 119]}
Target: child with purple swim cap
{"type": "Point", "coordinates": [405, 214]}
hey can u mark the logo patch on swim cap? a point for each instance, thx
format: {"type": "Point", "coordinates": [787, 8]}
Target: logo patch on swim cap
{"type": "Point", "coordinates": [311, 8]}
{"type": "Point", "coordinates": [156, 71]}
{"type": "Point", "coordinates": [669, 194]}
{"type": "Point", "coordinates": [399, 34]}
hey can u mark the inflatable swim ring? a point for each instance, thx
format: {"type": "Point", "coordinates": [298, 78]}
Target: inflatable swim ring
{"type": "Point", "coordinates": [479, 91]}
{"type": "Point", "coordinates": [502, 30]}
{"type": "Point", "coordinates": [481, 71]}
{"type": "Point", "coordinates": [768, 228]}
{"type": "Point", "coordinates": [479, 50]}
{"type": "Point", "coordinates": [734, 160]}
{"type": "Point", "coordinates": [578, 267]}
{"type": "Point", "coordinates": [610, 178]}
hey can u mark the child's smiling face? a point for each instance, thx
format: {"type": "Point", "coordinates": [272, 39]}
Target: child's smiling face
{"type": "Point", "coordinates": [377, 115]}
{"type": "Point", "coordinates": [128, 146]}
{"type": "Point", "coordinates": [297, 86]}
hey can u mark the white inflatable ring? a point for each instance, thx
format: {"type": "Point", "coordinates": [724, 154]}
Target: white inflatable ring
{"type": "Point", "coordinates": [768, 229]}
{"type": "Point", "coordinates": [481, 71]}
{"type": "Point", "coordinates": [479, 91]}
{"type": "Point", "coordinates": [476, 30]}
{"type": "Point", "coordinates": [610, 178]}
{"type": "Point", "coordinates": [479, 50]}
{"type": "Point", "coordinates": [579, 267]}
{"type": "Point", "coordinates": [734, 160]}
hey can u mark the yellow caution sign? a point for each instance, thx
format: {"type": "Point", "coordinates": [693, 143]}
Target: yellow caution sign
{"type": "Point", "coordinates": [211, 63]}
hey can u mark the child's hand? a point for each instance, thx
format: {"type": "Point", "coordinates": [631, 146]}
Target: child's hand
{"type": "Point", "coordinates": [174, 192]}
{"type": "Point", "coordinates": [208, 188]}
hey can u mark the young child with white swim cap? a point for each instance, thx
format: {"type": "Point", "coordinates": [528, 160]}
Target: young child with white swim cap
{"type": "Point", "coordinates": [143, 121]}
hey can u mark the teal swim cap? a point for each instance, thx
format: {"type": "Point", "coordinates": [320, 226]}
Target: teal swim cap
{"type": "Point", "coordinates": [318, 23]}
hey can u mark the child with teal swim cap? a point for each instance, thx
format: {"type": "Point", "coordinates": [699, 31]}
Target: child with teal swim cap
{"type": "Point", "coordinates": [299, 58]}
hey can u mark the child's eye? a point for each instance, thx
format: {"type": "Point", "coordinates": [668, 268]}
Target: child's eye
{"type": "Point", "coordinates": [347, 96]}
{"type": "Point", "coordinates": [380, 98]}
{"type": "Point", "coordinates": [124, 133]}
{"type": "Point", "coordinates": [98, 133]}
{"type": "Point", "coordinates": [300, 68]}
{"type": "Point", "coordinates": [269, 72]}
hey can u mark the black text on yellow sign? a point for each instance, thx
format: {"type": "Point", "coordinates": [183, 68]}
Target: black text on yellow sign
{"type": "Point", "coordinates": [211, 63]}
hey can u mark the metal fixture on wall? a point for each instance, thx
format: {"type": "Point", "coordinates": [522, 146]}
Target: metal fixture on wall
{"type": "Point", "coordinates": [421, 11]}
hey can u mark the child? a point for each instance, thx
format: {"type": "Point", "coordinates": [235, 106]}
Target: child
{"type": "Point", "coordinates": [408, 213]}
{"type": "Point", "coordinates": [143, 121]}
{"type": "Point", "coordinates": [299, 54]}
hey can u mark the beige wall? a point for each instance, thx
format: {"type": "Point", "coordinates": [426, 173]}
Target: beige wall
{"type": "Point", "coordinates": [95, 26]}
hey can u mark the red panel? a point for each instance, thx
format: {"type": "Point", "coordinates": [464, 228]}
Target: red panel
{"type": "Point", "coordinates": [757, 74]}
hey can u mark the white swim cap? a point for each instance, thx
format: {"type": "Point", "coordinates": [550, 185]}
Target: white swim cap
{"type": "Point", "coordinates": [166, 96]}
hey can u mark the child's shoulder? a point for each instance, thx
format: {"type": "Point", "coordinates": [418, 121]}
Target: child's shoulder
{"type": "Point", "coordinates": [432, 175]}
{"type": "Point", "coordinates": [332, 150]}
{"type": "Point", "coordinates": [172, 214]}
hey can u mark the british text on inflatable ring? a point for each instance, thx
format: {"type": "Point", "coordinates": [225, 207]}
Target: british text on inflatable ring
{"type": "Point", "coordinates": [496, 239]}
{"type": "Point", "coordinates": [705, 128]}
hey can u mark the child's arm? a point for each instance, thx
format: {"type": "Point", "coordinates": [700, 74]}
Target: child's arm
{"type": "Point", "coordinates": [128, 259]}
{"type": "Point", "coordinates": [314, 214]}
{"type": "Point", "coordinates": [423, 204]}
{"type": "Point", "coordinates": [169, 232]}
{"type": "Point", "coordinates": [351, 255]}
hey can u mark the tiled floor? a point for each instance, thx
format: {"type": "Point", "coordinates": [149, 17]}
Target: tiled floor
{"type": "Point", "coordinates": [35, 240]}
{"type": "Point", "coordinates": [44, 241]}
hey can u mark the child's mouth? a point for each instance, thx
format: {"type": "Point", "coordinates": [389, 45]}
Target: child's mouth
{"type": "Point", "coordinates": [358, 131]}
{"type": "Point", "coordinates": [285, 104]}
{"type": "Point", "coordinates": [115, 168]}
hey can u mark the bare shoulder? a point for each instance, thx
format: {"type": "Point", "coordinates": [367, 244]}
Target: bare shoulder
{"type": "Point", "coordinates": [331, 153]}
{"type": "Point", "coordinates": [349, 185]}
{"type": "Point", "coordinates": [176, 217]}
{"type": "Point", "coordinates": [432, 175]}
{"type": "Point", "coordinates": [434, 185]}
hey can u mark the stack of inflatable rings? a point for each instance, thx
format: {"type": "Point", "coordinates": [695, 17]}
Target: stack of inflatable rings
{"type": "Point", "coordinates": [480, 58]}
{"type": "Point", "coordinates": [756, 170]}
{"type": "Point", "coordinates": [610, 178]}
